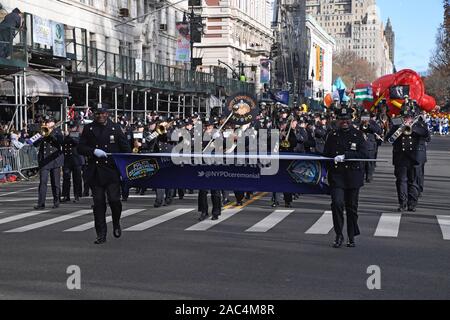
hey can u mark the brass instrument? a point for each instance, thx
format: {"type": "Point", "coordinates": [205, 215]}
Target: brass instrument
{"type": "Point", "coordinates": [404, 129]}
{"type": "Point", "coordinates": [285, 144]}
{"type": "Point", "coordinates": [159, 131]}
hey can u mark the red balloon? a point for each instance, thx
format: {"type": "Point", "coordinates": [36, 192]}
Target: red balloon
{"type": "Point", "coordinates": [405, 77]}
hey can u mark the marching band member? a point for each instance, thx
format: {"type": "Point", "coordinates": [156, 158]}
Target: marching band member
{"type": "Point", "coordinates": [51, 159]}
{"type": "Point", "coordinates": [371, 130]}
{"type": "Point", "coordinates": [409, 155]}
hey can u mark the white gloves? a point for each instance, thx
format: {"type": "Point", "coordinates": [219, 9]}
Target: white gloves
{"type": "Point", "coordinates": [216, 135]}
{"type": "Point", "coordinates": [340, 158]}
{"type": "Point", "coordinates": [100, 153]}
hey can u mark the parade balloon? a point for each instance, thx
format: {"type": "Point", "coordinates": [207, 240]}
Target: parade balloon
{"type": "Point", "coordinates": [394, 87]}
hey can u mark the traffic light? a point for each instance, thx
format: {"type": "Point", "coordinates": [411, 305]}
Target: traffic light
{"type": "Point", "coordinates": [194, 3]}
{"type": "Point", "coordinates": [196, 29]}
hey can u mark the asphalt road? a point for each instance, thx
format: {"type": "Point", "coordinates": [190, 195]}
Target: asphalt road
{"type": "Point", "coordinates": [256, 253]}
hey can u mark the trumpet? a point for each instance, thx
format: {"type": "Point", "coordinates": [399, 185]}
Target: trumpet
{"type": "Point", "coordinates": [45, 131]}
{"type": "Point", "coordinates": [285, 144]}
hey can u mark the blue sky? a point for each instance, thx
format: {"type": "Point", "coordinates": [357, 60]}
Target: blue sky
{"type": "Point", "coordinates": [415, 23]}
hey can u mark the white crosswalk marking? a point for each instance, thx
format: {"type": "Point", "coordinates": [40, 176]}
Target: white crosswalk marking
{"type": "Point", "coordinates": [208, 224]}
{"type": "Point", "coordinates": [444, 223]}
{"type": "Point", "coordinates": [271, 221]}
{"type": "Point", "coordinates": [91, 224]}
{"type": "Point", "coordinates": [158, 220]}
{"type": "Point", "coordinates": [51, 221]}
{"type": "Point", "coordinates": [324, 225]}
{"type": "Point", "coordinates": [21, 216]}
{"type": "Point", "coordinates": [389, 225]}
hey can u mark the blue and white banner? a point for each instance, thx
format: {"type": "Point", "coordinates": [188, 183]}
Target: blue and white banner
{"type": "Point", "coordinates": [295, 174]}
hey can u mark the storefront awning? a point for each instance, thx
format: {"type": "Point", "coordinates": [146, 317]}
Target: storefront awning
{"type": "Point", "coordinates": [39, 84]}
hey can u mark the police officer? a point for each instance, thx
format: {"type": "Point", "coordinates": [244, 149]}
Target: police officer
{"type": "Point", "coordinates": [50, 159]}
{"type": "Point", "coordinates": [409, 155]}
{"type": "Point", "coordinates": [99, 138]}
{"type": "Point", "coordinates": [72, 164]}
{"type": "Point", "coordinates": [371, 130]}
{"type": "Point", "coordinates": [215, 194]}
{"type": "Point", "coordinates": [345, 178]}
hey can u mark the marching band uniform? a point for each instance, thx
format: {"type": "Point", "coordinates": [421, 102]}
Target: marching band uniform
{"type": "Point", "coordinates": [96, 141]}
{"type": "Point", "coordinates": [72, 164]}
{"type": "Point", "coordinates": [51, 159]}
{"type": "Point", "coordinates": [409, 154]}
{"type": "Point", "coordinates": [345, 178]}
{"type": "Point", "coordinates": [370, 129]}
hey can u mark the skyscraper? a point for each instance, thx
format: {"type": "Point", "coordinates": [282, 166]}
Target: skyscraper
{"type": "Point", "coordinates": [356, 26]}
{"type": "Point", "coordinates": [390, 38]}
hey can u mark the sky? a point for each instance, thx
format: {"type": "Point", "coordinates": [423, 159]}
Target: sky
{"type": "Point", "coordinates": [415, 23]}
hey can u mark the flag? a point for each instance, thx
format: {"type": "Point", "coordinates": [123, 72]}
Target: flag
{"type": "Point", "coordinates": [281, 97]}
{"type": "Point", "coordinates": [364, 94]}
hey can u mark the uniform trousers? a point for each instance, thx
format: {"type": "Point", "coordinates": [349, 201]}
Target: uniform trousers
{"type": "Point", "coordinates": [215, 199]}
{"type": "Point", "coordinates": [407, 182]}
{"type": "Point", "coordinates": [55, 181]}
{"type": "Point", "coordinates": [345, 199]}
{"type": "Point", "coordinates": [100, 194]}
{"type": "Point", "coordinates": [75, 173]}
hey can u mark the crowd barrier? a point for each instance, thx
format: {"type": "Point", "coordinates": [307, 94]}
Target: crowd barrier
{"type": "Point", "coordinates": [13, 160]}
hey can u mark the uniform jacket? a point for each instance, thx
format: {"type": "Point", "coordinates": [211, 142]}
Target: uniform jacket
{"type": "Point", "coordinates": [372, 142]}
{"type": "Point", "coordinates": [351, 143]}
{"type": "Point", "coordinates": [410, 150]}
{"type": "Point", "coordinates": [109, 138]}
{"type": "Point", "coordinates": [71, 156]}
{"type": "Point", "coordinates": [50, 154]}
{"type": "Point", "coordinates": [320, 134]}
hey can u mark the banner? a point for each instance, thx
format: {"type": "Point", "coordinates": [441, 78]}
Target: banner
{"type": "Point", "coordinates": [153, 171]}
{"type": "Point", "coordinates": [183, 52]}
{"type": "Point", "coordinates": [59, 40]}
{"type": "Point", "coordinates": [265, 71]}
{"type": "Point", "coordinates": [281, 96]}
{"type": "Point", "coordinates": [320, 62]}
{"type": "Point", "coordinates": [42, 31]}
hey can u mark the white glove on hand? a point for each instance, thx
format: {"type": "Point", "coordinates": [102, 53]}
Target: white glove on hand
{"type": "Point", "coordinates": [100, 153]}
{"type": "Point", "coordinates": [216, 135]}
{"type": "Point", "coordinates": [340, 158]}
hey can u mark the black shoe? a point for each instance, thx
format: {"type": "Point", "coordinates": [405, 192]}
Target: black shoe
{"type": "Point", "coordinates": [226, 201]}
{"type": "Point", "coordinates": [138, 191]}
{"type": "Point", "coordinates": [142, 193]}
{"type": "Point", "coordinates": [64, 200]}
{"type": "Point", "coordinates": [288, 205]}
{"type": "Point", "coordinates": [190, 191]}
{"type": "Point", "coordinates": [215, 218]}
{"type": "Point", "coordinates": [39, 207]}
{"type": "Point", "coordinates": [77, 199]}
{"type": "Point", "coordinates": [338, 242]}
{"type": "Point", "coordinates": [412, 208]}
{"type": "Point", "coordinates": [168, 201]}
{"type": "Point", "coordinates": [351, 243]}
{"type": "Point", "coordinates": [86, 194]}
{"type": "Point", "coordinates": [248, 196]}
{"type": "Point", "coordinates": [275, 204]}
{"type": "Point", "coordinates": [157, 204]}
{"type": "Point", "coordinates": [203, 216]}
{"type": "Point", "coordinates": [239, 203]}
{"type": "Point", "coordinates": [55, 206]}
{"type": "Point", "coordinates": [100, 241]}
{"type": "Point", "coordinates": [401, 209]}
{"type": "Point", "coordinates": [181, 197]}
{"type": "Point", "coordinates": [117, 232]}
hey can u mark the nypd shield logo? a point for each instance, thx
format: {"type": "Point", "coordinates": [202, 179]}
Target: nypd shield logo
{"type": "Point", "coordinates": [144, 168]}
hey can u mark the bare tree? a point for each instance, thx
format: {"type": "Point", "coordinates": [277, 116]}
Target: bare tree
{"type": "Point", "coordinates": [352, 68]}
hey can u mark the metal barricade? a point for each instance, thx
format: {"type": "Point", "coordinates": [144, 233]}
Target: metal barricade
{"type": "Point", "coordinates": [13, 160]}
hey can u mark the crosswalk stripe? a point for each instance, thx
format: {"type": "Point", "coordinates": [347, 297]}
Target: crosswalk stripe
{"type": "Point", "coordinates": [9, 193]}
{"type": "Point", "coordinates": [389, 225]}
{"type": "Point", "coordinates": [21, 216]}
{"type": "Point", "coordinates": [208, 224]}
{"type": "Point", "coordinates": [158, 220]}
{"type": "Point", "coordinates": [50, 221]}
{"type": "Point", "coordinates": [324, 225]}
{"type": "Point", "coordinates": [271, 221]}
{"type": "Point", "coordinates": [444, 223]}
{"type": "Point", "coordinates": [90, 225]}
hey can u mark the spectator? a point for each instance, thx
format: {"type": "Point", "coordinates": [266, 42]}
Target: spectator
{"type": "Point", "coordinates": [12, 21]}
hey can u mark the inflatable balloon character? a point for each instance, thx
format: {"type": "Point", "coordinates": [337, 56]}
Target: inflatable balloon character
{"type": "Point", "coordinates": [395, 87]}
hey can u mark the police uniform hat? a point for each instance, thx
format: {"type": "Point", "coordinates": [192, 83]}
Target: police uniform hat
{"type": "Point", "coordinates": [210, 122]}
{"type": "Point", "coordinates": [49, 118]}
{"type": "Point", "coordinates": [101, 109]}
{"type": "Point", "coordinates": [188, 121]}
{"type": "Point", "coordinates": [407, 112]}
{"type": "Point", "coordinates": [344, 113]}
{"type": "Point", "coordinates": [139, 124]}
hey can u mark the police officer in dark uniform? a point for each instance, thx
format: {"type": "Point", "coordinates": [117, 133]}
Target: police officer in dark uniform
{"type": "Point", "coordinates": [409, 154]}
{"type": "Point", "coordinates": [371, 130]}
{"type": "Point", "coordinates": [215, 194]}
{"type": "Point", "coordinates": [72, 164]}
{"type": "Point", "coordinates": [345, 178]}
{"type": "Point", "coordinates": [51, 159]}
{"type": "Point", "coordinates": [99, 138]}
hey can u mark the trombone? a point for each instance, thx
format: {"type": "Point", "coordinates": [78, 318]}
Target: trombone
{"type": "Point", "coordinates": [285, 144]}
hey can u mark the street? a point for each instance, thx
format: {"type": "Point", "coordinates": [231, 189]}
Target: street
{"type": "Point", "coordinates": [254, 252]}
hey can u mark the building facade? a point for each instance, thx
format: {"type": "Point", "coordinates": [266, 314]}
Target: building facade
{"type": "Point", "coordinates": [321, 59]}
{"type": "Point", "coordinates": [238, 34]}
{"type": "Point", "coordinates": [356, 26]}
